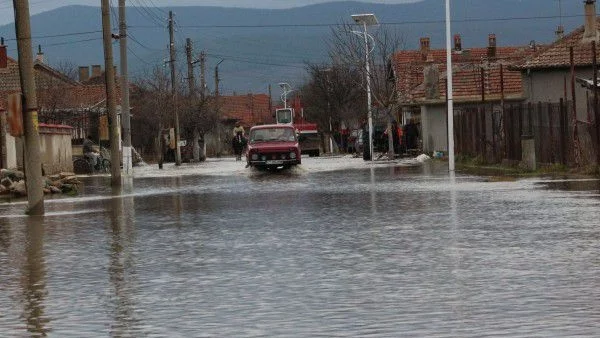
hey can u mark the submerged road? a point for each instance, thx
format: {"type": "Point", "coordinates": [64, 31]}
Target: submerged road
{"type": "Point", "coordinates": [336, 247]}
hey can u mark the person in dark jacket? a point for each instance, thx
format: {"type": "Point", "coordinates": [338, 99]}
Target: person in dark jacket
{"type": "Point", "coordinates": [411, 133]}
{"type": "Point", "coordinates": [238, 143]}
{"type": "Point", "coordinates": [365, 139]}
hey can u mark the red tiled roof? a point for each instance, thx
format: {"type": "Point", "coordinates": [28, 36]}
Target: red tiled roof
{"type": "Point", "coordinates": [409, 68]}
{"type": "Point", "coordinates": [557, 55]}
{"type": "Point", "coordinates": [54, 89]}
{"type": "Point", "coordinates": [250, 110]}
{"type": "Point", "coordinates": [467, 84]}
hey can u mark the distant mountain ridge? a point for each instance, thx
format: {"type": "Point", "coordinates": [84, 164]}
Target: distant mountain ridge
{"type": "Point", "coordinates": [267, 46]}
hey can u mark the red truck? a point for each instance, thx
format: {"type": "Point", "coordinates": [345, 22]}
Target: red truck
{"type": "Point", "coordinates": [308, 134]}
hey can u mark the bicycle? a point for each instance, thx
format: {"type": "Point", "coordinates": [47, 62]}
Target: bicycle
{"type": "Point", "coordinates": [84, 165]}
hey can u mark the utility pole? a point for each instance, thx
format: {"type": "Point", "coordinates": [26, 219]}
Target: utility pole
{"type": "Point", "coordinates": [111, 97]}
{"type": "Point", "coordinates": [33, 163]}
{"type": "Point", "coordinates": [218, 108]}
{"type": "Point", "coordinates": [125, 117]}
{"type": "Point", "coordinates": [190, 64]}
{"type": "Point", "coordinates": [202, 75]}
{"type": "Point", "coordinates": [174, 87]}
{"type": "Point", "coordinates": [270, 101]}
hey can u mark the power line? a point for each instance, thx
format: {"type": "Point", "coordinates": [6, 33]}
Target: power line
{"type": "Point", "coordinates": [58, 35]}
{"type": "Point", "coordinates": [424, 22]}
{"type": "Point", "coordinates": [234, 58]}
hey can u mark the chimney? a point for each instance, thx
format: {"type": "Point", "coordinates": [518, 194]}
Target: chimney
{"type": "Point", "coordinates": [491, 52]}
{"type": "Point", "coordinates": [40, 56]}
{"type": "Point", "coordinates": [560, 32]}
{"type": "Point", "coordinates": [457, 43]}
{"type": "Point", "coordinates": [431, 78]}
{"type": "Point", "coordinates": [96, 70]}
{"type": "Point", "coordinates": [3, 55]}
{"type": "Point", "coordinates": [84, 73]}
{"type": "Point", "coordinates": [425, 46]}
{"type": "Point", "coordinates": [591, 32]}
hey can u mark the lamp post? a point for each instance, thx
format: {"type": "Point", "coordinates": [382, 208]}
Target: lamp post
{"type": "Point", "coordinates": [286, 88]}
{"type": "Point", "coordinates": [370, 20]}
{"type": "Point", "coordinates": [450, 96]}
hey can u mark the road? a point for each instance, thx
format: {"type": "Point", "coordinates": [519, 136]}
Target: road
{"type": "Point", "coordinates": [336, 247]}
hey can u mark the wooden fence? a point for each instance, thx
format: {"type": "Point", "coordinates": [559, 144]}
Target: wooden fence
{"type": "Point", "coordinates": [494, 133]}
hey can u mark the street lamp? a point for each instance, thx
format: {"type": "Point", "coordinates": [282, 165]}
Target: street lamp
{"type": "Point", "coordinates": [450, 96]}
{"type": "Point", "coordinates": [286, 88]}
{"type": "Point", "coordinates": [367, 20]}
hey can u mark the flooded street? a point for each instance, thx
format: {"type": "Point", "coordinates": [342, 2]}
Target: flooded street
{"type": "Point", "coordinates": [335, 248]}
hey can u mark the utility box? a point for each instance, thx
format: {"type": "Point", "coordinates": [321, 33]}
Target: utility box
{"type": "Point", "coordinates": [15, 115]}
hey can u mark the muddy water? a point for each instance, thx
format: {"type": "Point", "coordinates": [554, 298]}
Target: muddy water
{"type": "Point", "coordinates": [381, 252]}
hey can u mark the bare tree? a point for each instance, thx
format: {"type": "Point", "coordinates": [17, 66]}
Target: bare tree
{"type": "Point", "coordinates": [151, 100]}
{"type": "Point", "coordinates": [346, 74]}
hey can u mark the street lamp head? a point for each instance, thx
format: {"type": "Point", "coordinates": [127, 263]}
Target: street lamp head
{"type": "Point", "coordinates": [284, 86]}
{"type": "Point", "coordinates": [366, 19]}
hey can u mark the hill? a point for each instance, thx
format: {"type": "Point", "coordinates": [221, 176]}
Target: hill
{"type": "Point", "coordinates": [267, 46]}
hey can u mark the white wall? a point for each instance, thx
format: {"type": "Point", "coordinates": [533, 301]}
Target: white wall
{"type": "Point", "coordinates": [434, 128]}
{"type": "Point", "coordinates": [549, 86]}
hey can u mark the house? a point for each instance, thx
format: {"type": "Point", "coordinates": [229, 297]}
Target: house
{"type": "Point", "coordinates": [480, 75]}
{"type": "Point", "coordinates": [547, 75]}
{"type": "Point", "coordinates": [249, 110]}
{"type": "Point", "coordinates": [64, 107]}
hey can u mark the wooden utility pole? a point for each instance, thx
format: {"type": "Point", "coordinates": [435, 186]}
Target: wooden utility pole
{"type": "Point", "coordinates": [31, 139]}
{"type": "Point", "coordinates": [270, 101]}
{"type": "Point", "coordinates": [111, 97]}
{"type": "Point", "coordinates": [190, 65]}
{"type": "Point", "coordinates": [202, 75]}
{"type": "Point", "coordinates": [125, 117]}
{"type": "Point", "coordinates": [174, 87]}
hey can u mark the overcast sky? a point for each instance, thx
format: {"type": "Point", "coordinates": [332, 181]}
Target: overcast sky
{"type": "Point", "coordinates": [37, 6]}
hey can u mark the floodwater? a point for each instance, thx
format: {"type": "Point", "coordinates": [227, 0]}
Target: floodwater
{"type": "Point", "coordinates": [389, 250]}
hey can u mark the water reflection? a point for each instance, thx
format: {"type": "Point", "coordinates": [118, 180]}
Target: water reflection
{"type": "Point", "coordinates": [33, 279]}
{"type": "Point", "coordinates": [121, 269]}
{"type": "Point", "coordinates": [378, 252]}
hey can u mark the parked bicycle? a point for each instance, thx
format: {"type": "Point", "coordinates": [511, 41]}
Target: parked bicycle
{"type": "Point", "coordinates": [85, 165]}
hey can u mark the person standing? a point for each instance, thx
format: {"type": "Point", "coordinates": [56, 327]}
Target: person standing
{"type": "Point", "coordinates": [411, 132]}
{"type": "Point", "coordinates": [89, 152]}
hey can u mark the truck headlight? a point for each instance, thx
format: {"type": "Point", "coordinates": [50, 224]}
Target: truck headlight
{"type": "Point", "coordinates": [292, 155]}
{"type": "Point", "coordinates": [254, 157]}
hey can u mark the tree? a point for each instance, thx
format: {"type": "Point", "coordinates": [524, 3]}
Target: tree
{"type": "Point", "coordinates": [151, 99]}
{"type": "Point", "coordinates": [346, 75]}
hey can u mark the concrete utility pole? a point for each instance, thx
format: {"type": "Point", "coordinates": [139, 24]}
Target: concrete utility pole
{"type": "Point", "coordinates": [218, 108]}
{"type": "Point", "coordinates": [125, 116]}
{"type": "Point", "coordinates": [190, 64]}
{"type": "Point", "coordinates": [111, 97]}
{"type": "Point", "coordinates": [174, 87]}
{"type": "Point", "coordinates": [202, 75]}
{"type": "Point", "coordinates": [31, 139]}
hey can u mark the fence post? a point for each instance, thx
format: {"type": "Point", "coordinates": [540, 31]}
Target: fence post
{"type": "Point", "coordinates": [506, 115]}
{"type": "Point", "coordinates": [494, 146]}
{"type": "Point", "coordinates": [539, 131]}
{"type": "Point", "coordinates": [563, 132]}
{"type": "Point", "coordinates": [483, 134]}
{"type": "Point", "coordinates": [551, 133]}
